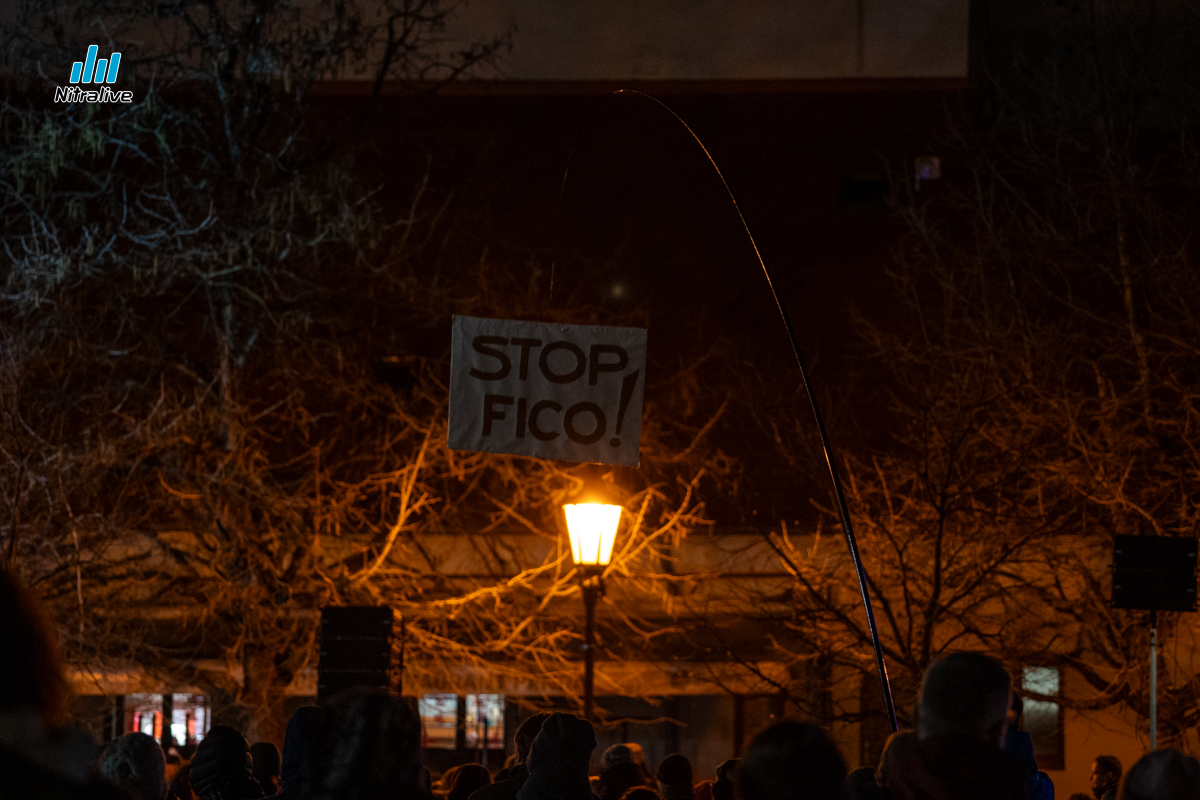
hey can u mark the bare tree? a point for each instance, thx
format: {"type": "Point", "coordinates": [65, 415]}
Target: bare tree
{"type": "Point", "coordinates": [224, 369]}
{"type": "Point", "coordinates": [1040, 384]}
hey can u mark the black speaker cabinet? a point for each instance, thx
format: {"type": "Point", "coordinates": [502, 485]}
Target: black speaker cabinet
{"type": "Point", "coordinates": [1154, 573]}
{"type": "Point", "coordinates": [356, 649]}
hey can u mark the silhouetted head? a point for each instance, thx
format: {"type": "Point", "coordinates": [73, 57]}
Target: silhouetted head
{"type": "Point", "coordinates": [264, 758]}
{"type": "Point", "coordinates": [31, 673]}
{"type": "Point", "coordinates": [675, 769]}
{"type": "Point", "coordinates": [894, 752]}
{"type": "Point", "coordinates": [675, 777]}
{"type": "Point", "coordinates": [640, 793]}
{"type": "Point", "coordinates": [617, 754]}
{"type": "Point", "coordinates": [135, 764]}
{"type": "Point", "coordinates": [221, 767]}
{"type": "Point", "coordinates": [965, 694]}
{"type": "Point", "coordinates": [559, 760]}
{"type": "Point", "coordinates": [722, 788]}
{"type": "Point", "coordinates": [1106, 774]}
{"type": "Point", "coordinates": [1165, 774]}
{"type": "Point", "coordinates": [620, 778]}
{"type": "Point", "coordinates": [467, 778]}
{"type": "Point", "coordinates": [368, 746]}
{"type": "Point", "coordinates": [527, 731]}
{"type": "Point", "coordinates": [860, 785]}
{"type": "Point", "coordinates": [791, 761]}
{"type": "Point", "coordinates": [298, 740]}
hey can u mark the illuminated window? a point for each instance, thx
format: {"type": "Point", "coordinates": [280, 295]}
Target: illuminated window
{"type": "Point", "coordinates": [485, 721]}
{"type": "Point", "coordinates": [439, 721]}
{"type": "Point", "coordinates": [144, 713]}
{"type": "Point", "coordinates": [1043, 718]}
{"type": "Point", "coordinates": [196, 719]}
{"type": "Point", "coordinates": [189, 716]}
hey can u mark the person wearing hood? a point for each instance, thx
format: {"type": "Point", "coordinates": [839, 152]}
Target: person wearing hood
{"type": "Point", "coordinates": [222, 767]}
{"type": "Point", "coordinates": [962, 722]}
{"type": "Point", "coordinates": [559, 760]}
{"type": "Point", "coordinates": [507, 788]}
{"type": "Point", "coordinates": [368, 747]}
{"type": "Point", "coordinates": [297, 744]}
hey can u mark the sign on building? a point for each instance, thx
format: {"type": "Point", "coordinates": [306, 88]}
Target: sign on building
{"type": "Point", "coordinates": [571, 392]}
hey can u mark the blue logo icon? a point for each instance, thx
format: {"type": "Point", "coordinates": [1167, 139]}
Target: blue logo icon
{"type": "Point", "coordinates": [83, 71]}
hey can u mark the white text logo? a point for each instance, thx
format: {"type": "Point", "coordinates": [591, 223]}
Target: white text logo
{"type": "Point", "coordinates": [93, 70]}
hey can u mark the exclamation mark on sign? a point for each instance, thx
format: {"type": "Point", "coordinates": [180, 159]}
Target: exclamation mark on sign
{"type": "Point", "coordinates": [627, 387]}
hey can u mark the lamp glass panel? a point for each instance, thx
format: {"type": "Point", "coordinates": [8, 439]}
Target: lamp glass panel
{"type": "Point", "coordinates": [593, 530]}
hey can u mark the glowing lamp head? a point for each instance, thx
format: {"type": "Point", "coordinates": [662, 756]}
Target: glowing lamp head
{"type": "Point", "coordinates": [593, 529]}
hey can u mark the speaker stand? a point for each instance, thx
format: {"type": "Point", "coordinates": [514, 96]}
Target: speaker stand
{"type": "Point", "coordinates": [1153, 680]}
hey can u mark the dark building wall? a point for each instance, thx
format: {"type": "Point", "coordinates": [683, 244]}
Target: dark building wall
{"type": "Point", "coordinates": [718, 39]}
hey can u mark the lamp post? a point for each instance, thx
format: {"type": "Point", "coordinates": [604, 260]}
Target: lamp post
{"type": "Point", "coordinates": [593, 529]}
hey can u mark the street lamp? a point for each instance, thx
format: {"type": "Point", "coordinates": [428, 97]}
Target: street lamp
{"type": "Point", "coordinates": [593, 530]}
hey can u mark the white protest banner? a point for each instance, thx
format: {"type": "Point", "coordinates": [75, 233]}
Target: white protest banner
{"type": "Point", "coordinates": [571, 392]}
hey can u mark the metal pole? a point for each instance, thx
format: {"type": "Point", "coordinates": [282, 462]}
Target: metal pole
{"type": "Point", "coordinates": [400, 668]}
{"type": "Point", "coordinates": [590, 592]}
{"type": "Point", "coordinates": [1153, 680]}
{"type": "Point", "coordinates": [830, 460]}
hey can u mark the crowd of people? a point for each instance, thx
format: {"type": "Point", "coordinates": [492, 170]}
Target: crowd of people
{"type": "Point", "coordinates": [367, 746]}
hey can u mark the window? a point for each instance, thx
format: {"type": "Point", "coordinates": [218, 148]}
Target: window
{"type": "Point", "coordinates": [189, 716]}
{"type": "Point", "coordinates": [485, 721]}
{"type": "Point", "coordinates": [1042, 719]}
{"type": "Point", "coordinates": [439, 721]}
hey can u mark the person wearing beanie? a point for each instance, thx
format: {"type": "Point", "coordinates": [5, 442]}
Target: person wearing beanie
{"type": "Point", "coordinates": [135, 764]}
{"type": "Point", "coordinates": [559, 760]}
{"type": "Point", "coordinates": [617, 754]}
{"type": "Point", "coordinates": [221, 768]}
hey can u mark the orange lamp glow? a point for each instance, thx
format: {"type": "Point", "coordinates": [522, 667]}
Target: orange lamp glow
{"type": "Point", "coordinates": [593, 529]}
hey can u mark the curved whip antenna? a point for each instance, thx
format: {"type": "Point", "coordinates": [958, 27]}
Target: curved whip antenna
{"type": "Point", "coordinates": [834, 476]}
